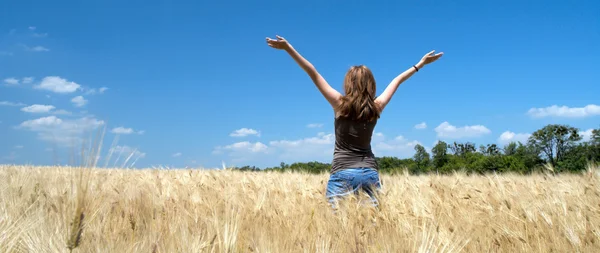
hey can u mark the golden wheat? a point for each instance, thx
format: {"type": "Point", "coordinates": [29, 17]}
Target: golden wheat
{"type": "Point", "coordinates": [231, 211]}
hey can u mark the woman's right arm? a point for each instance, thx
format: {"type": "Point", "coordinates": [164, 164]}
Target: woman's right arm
{"type": "Point", "coordinates": [332, 95]}
{"type": "Point", "coordinates": [389, 91]}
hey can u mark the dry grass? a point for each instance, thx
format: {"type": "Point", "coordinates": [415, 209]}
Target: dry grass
{"type": "Point", "coordinates": [45, 209]}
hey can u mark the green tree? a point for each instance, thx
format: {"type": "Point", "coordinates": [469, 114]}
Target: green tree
{"type": "Point", "coordinates": [510, 149]}
{"type": "Point", "coordinates": [595, 139]}
{"type": "Point", "coordinates": [462, 149]}
{"type": "Point", "coordinates": [529, 155]}
{"type": "Point", "coordinates": [554, 140]}
{"type": "Point", "coordinates": [422, 159]}
{"type": "Point", "coordinates": [392, 165]}
{"type": "Point", "coordinates": [489, 150]}
{"type": "Point", "coordinates": [440, 155]}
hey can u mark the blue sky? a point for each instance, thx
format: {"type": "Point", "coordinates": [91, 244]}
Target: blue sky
{"type": "Point", "coordinates": [193, 83]}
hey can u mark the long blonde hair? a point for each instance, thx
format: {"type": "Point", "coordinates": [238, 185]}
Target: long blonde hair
{"type": "Point", "coordinates": [359, 101]}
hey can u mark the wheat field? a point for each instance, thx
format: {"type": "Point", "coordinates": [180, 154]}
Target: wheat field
{"type": "Point", "coordinates": [62, 209]}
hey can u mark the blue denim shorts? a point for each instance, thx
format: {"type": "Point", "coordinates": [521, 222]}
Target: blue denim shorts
{"type": "Point", "coordinates": [353, 180]}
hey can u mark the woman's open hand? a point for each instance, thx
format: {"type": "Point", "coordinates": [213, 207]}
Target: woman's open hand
{"type": "Point", "coordinates": [279, 43]}
{"type": "Point", "coordinates": [430, 57]}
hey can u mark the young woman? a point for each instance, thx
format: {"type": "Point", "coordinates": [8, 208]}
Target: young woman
{"type": "Point", "coordinates": [354, 167]}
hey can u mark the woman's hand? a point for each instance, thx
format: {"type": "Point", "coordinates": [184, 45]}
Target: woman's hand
{"type": "Point", "coordinates": [430, 57]}
{"type": "Point", "coordinates": [279, 43]}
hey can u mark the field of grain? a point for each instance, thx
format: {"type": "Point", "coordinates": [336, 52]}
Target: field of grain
{"type": "Point", "coordinates": [52, 209]}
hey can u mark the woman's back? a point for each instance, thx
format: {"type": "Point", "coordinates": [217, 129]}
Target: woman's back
{"type": "Point", "coordinates": [353, 144]}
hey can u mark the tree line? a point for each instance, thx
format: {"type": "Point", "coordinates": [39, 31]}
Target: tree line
{"type": "Point", "coordinates": [555, 146]}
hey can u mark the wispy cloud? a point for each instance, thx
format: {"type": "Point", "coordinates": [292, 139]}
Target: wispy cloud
{"type": "Point", "coordinates": [38, 108]}
{"type": "Point", "coordinates": [314, 125]}
{"type": "Point", "coordinates": [27, 80]}
{"type": "Point", "coordinates": [178, 154]}
{"type": "Point", "coordinates": [399, 146]}
{"type": "Point", "coordinates": [319, 147]}
{"type": "Point", "coordinates": [244, 146]}
{"type": "Point", "coordinates": [125, 130]}
{"type": "Point", "coordinates": [8, 103]}
{"type": "Point", "coordinates": [315, 148]}
{"type": "Point", "coordinates": [446, 130]}
{"type": "Point", "coordinates": [32, 28]}
{"type": "Point", "coordinates": [565, 111]}
{"type": "Point", "coordinates": [61, 112]}
{"type": "Point", "coordinates": [11, 81]}
{"type": "Point", "coordinates": [35, 48]}
{"type": "Point", "coordinates": [421, 125]}
{"type": "Point", "coordinates": [94, 91]}
{"type": "Point", "coordinates": [244, 132]}
{"type": "Point", "coordinates": [79, 101]}
{"type": "Point", "coordinates": [64, 132]}
{"type": "Point", "coordinates": [40, 35]}
{"type": "Point", "coordinates": [57, 84]}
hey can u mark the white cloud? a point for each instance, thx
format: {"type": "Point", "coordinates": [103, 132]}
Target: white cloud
{"type": "Point", "coordinates": [252, 147]}
{"type": "Point", "coordinates": [40, 35]}
{"type": "Point", "coordinates": [314, 125]}
{"type": "Point", "coordinates": [61, 112]}
{"type": "Point", "coordinates": [319, 148]}
{"type": "Point", "coordinates": [565, 111]}
{"type": "Point", "coordinates": [508, 137]}
{"type": "Point", "coordinates": [93, 91]}
{"type": "Point", "coordinates": [244, 132]}
{"type": "Point", "coordinates": [79, 101]}
{"type": "Point", "coordinates": [8, 103]}
{"type": "Point", "coordinates": [57, 84]}
{"type": "Point", "coordinates": [449, 131]}
{"type": "Point", "coordinates": [38, 108]}
{"type": "Point", "coordinates": [32, 28]}
{"type": "Point", "coordinates": [242, 151]}
{"type": "Point", "coordinates": [121, 130]}
{"type": "Point", "coordinates": [42, 122]}
{"type": "Point", "coordinates": [124, 130]}
{"type": "Point", "coordinates": [66, 132]}
{"type": "Point", "coordinates": [316, 148]}
{"type": "Point", "coordinates": [11, 81]}
{"type": "Point", "coordinates": [27, 80]}
{"type": "Point", "coordinates": [141, 132]}
{"type": "Point", "coordinates": [586, 135]}
{"type": "Point", "coordinates": [421, 125]}
{"type": "Point", "coordinates": [37, 49]}
{"type": "Point", "coordinates": [19, 146]}
{"type": "Point", "coordinates": [178, 154]}
{"type": "Point", "coordinates": [398, 147]}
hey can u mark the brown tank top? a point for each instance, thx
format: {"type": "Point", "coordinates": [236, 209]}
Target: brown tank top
{"type": "Point", "coordinates": [353, 144]}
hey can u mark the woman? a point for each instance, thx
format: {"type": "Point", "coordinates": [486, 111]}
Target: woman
{"type": "Point", "coordinates": [354, 167]}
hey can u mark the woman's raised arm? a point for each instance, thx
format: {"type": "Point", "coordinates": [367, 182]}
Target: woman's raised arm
{"type": "Point", "coordinates": [332, 95]}
{"type": "Point", "coordinates": [389, 91]}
